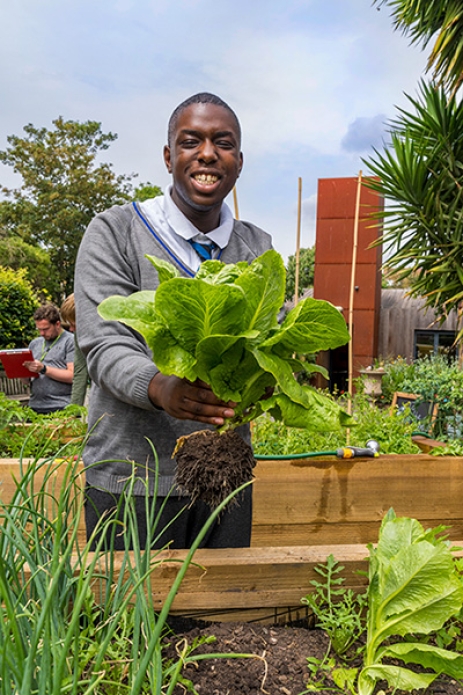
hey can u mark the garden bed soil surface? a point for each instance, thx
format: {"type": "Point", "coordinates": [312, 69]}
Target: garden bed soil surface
{"type": "Point", "coordinates": [281, 668]}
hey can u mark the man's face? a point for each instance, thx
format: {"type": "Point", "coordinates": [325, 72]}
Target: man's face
{"type": "Point", "coordinates": [204, 158]}
{"type": "Point", "coordinates": [48, 330]}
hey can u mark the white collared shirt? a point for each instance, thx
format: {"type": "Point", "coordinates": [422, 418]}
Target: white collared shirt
{"type": "Point", "coordinates": [176, 229]}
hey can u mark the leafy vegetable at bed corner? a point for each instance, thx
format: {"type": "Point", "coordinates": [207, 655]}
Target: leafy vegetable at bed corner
{"type": "Point", "coordinates": [222, 327]}
{"type": "Point", "coordinates": [414, 588]}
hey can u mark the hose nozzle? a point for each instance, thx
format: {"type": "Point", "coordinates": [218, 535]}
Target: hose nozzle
{"type": "Point", "coordinates": [349, 452]}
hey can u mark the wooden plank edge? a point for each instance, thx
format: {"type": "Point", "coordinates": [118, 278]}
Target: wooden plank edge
{"type": "Point", "coordinates": [249, 579]}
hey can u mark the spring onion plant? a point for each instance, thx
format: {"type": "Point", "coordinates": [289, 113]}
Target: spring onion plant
{"type": "Point", "coordinates": [75, 621]}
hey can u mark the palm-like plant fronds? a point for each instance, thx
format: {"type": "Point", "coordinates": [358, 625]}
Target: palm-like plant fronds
{"type": "Point", "coordinates": [421, 176]}
{"type": "Point", "coordinates": [424, 19]}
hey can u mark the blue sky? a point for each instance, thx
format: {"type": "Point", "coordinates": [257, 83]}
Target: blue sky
{"type": "Point", "coordinates": [312, 81]}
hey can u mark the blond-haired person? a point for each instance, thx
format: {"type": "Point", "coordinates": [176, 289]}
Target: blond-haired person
{"type": "Point", "coordinates": [80, 380]}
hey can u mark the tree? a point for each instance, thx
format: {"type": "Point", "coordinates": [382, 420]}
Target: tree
{"type": "Point", "coordinates": [16, 254]}
{"type": "Point", "coordinates": [63, 188]}
{"type": "Point", "coordinates": [145, 191]}
{"type": "Point", "coordinates": [423, 20]}
{"type": "Point", "coordinates": [306, 272]}
{"type": "Point", "coordinates": [421, 175]}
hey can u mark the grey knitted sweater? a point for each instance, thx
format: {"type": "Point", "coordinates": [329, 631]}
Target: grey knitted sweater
{"type": "Point", "coordinates": [111, 260]}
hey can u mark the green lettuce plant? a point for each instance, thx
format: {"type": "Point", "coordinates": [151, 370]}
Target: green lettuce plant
{"type": "Point", "coordinates": [414, 587]}
{"type": "Point", "coordinates": [222, 327]}
{"type": "Point", "coordinates": [414, 599]}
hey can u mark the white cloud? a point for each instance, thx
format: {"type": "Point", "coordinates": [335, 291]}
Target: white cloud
{"type": "Point", "coordinates": [306, 77]}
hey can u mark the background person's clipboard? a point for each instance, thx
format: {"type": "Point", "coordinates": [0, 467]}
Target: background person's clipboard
{"type": "Point", "coordinates": [12, 361]}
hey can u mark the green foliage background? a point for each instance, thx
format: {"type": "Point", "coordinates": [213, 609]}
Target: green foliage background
{"type": "Point", "coordinates": [420, 172]}
{"type": "Point", "coordinates": [16, 254]}
{"type": "Point", "coordinates": [437, 381]}
{"type": "Point", "coordinates": [63, 187]}
{"type": "Point", "coordinates": [146, 190]}
{"type": "Point", "coordinates": [23, 432]}
{"type": "Point", "coordinates": [306, 272]}
{"type": "Point", "coordinates": [392, 433]}
{"type": "Point", "coordinates": [421, 175]}
{"type": "Point", "coordinates": [18, 301]}
{"type": "Point", "coordinates": [440, 21]}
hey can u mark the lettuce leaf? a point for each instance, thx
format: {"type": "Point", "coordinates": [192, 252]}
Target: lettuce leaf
{"type": "Point", "coordinates": [222, 327]}
{"type": "Point", "coordinates": [414, 588]}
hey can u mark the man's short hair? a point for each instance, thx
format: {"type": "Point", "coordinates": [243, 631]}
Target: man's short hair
{"type": "Point", "coordinates": [47, 312]}
{"type": "Point", "coordinates": [200, 98]}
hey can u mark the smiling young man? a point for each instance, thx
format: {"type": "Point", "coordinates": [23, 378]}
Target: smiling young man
{"type": "Point", "coordinates": [131, 402]}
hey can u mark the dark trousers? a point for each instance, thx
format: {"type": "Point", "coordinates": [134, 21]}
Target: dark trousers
{"type": "Point", "coordinates": [46, 411]}
{"type": "Point", "coordinates": [231, 530]}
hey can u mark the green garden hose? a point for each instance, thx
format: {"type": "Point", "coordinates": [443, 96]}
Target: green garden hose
{"type": "Point", "coordinates": [288, 457]}
{"type": "Point", "coordinates": [346, 452]}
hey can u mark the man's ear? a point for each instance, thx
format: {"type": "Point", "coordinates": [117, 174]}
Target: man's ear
{"type": "Point", "coordinates": [167, 159]}
{"type": "Point", "coordinates": [241, 163]}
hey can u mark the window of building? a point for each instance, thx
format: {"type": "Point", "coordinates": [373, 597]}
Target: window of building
{"type": "Point", "coordinates": [428, 343]}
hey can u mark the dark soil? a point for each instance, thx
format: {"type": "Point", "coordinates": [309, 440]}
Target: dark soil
{"type": "Point", "coordinates": [210, 466]}
{"type": "Point", "coordinates": [279, 666]}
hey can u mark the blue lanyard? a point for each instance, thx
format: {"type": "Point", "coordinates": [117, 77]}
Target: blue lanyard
{"type": "Point", "coordinates": [160, 241]}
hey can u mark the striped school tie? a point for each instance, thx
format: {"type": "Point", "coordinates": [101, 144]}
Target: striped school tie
{"type": "Point", "coordinates": [204, 249]}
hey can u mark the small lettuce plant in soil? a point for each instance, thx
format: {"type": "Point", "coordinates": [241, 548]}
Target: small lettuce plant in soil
{"type": "Point", "coordinates": [413, 601]}
{"type": "Point", "coordinates": [221, 327]}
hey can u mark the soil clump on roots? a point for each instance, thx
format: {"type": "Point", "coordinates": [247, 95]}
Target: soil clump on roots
{"type": "Point", "coordinates": [211, 465]}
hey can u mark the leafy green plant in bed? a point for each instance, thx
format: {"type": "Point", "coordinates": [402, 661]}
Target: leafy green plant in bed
{"type": "Point", "coordinates": [415, 586]}
{"type": "Point", "coordinates": [414, 608]}
{"type": "Point", "coordinates": [393, 434]}
{"type": "Point", "coordinates": [338, 611]}
{"type": "Point", "coordinates": [80, 622]}
{"type": "Point", "coordinates": [222, 327]}
{"type": "Point", "coordinates": [451, 448]}
{"type": "Point", "coordinates": [25, 432]}
{"type": "Point", "coordinates": [436, 379]}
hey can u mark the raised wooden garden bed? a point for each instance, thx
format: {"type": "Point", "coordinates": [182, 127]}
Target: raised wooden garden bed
{"type": "Point", "coordinates": [304, 510]}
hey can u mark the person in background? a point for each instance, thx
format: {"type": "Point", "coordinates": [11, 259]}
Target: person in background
{"type": "Point", "coordinates": [53, 361]}
{"type": "Point", "coordinates": [80, 380]}
{"type": "Point", "coordinates": [132, 402]}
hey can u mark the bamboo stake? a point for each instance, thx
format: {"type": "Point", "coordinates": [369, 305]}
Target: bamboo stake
{"type": "Point", "coordinates": [298, 241]}
{"type": "Point", "coordinates": [352, 294]}
{"type": "Point", "coordinates": [235, 203]}
{"type": "Point", "coordinates": [459, 345]}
